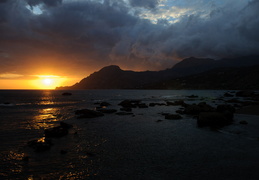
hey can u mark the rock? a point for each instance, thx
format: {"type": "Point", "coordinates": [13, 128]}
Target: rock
{"type": "Point", "coordinates": [129, 103]}
{"type": "Point", "coordinates": [159, 120]}
{"type": "Point", "coordinates": [228, 95]}
{"type": "Point", "coordinates": [245, 93]}
{"type": "Point", "coordinates": [124, 113]}
{"type": "Point", "coordinates": [65, 125]}
{"type": "Point", "coordinates": [40, 145]}
{"type": "Point", "coordinates": [66, 94]}
{"type": "Point", "coordinates": [196, 109]}
{"type": "Point", "coordinates": [104, 104]}
{"type": "Point", "coordinates": [87, 113]}
{"type": "Point", "coordinates": [173, 116]}
{"type": "Point", "coordinates": [107, 111]}
{"type": "Point", "coordinates": [192, 96]}
{"type": "Point", "coordinates": [156, 104]}
{"type": "Point", "coordinates": [227, 110]}
{"type": "Point", "coordinates": [127, 109]}
{"type": "Point", "coordinates": [213, 119]}
{"type": "Point", "coordinates": [243, 122]}
{"type": "Point", "coordinates": [176, 103]}
{"type": "Point", "coordinates": [56, 132]}
{"type": "Point", "coordinates": [142, 105]}
{"type": "Point", "coordinates": [179, 111]}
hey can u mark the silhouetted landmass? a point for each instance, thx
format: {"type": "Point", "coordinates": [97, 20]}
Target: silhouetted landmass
{"type": "Point", "coordinates": [190, 73]}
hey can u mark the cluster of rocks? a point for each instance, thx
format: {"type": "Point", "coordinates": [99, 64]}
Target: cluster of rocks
{"type": "Point", "coordinates": [205, 114]}
{"type": "Point", "coordinates": [45, 143]}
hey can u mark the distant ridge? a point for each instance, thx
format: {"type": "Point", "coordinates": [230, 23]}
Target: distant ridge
{"type": "Point", "coordinates": [190, 73]}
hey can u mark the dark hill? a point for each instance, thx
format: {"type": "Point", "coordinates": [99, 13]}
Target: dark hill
{"type": "Point", "coordinates": [204, 70]}
{"type": "Point", "coordinates": [221, 78]}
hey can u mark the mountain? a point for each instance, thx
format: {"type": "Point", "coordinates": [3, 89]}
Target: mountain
{"type": "Point", "coordinates": [220, 78]}
{"type": "Point", "coordinates": [192, 72]}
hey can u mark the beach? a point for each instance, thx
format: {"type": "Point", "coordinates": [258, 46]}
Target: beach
{"type": "Point", "coordinates": [141, 145]}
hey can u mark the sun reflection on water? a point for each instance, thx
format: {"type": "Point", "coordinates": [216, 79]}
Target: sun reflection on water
{"type": "Point", "coordinates": [45, 118]}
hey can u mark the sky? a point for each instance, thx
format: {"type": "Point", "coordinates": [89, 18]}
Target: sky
{"type": "Point", "coordinates": [48, 43]}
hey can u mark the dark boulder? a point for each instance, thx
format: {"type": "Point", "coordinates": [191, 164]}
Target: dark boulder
{"type": "Point", "coordinates": [56, 132]}
{"type": "Point", "coordinates": [228, 95]}
{"type": "Point", "coordinates": [124, 113]}
{"type": "Point", "coordinates": [87, 113]}
{"type": "Point", "coordinates": [192, 96]}
{"type": "Point", "coordinates": [173, 116]}
{"type": "Point", "coordinates": [40, 145]}
{"type": "Point", "coordinates": [129, 103]}
{"type": "Point", "coordinates": [107, 111]}
{"type": "Point", "coordinates": [243, 122]}
{"type": "Point", "coordinates": [195, 109]}
{"type": "Point", "coordinates": [104, 104]}
{"type": "Point", "coordinates": [142, 105]}
{"type": "Point", "coordinates": [127, 109]}
{"type": "Point", "coordinates": [65, 125]}
{"type": "Point", "coordinates": [176, 103]}
{"type": "Point", "coordinates": [227, 110]}
{"type": "Point", "coordinates": [213, 119]}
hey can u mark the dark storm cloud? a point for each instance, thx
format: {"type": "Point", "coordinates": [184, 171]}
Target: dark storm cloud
{"type": "Point", "coordinates": [46, 2]}
{"type": "Point", "coordinates": [144, 3]}
{"type": "Point", "coordinates": [84, 34]}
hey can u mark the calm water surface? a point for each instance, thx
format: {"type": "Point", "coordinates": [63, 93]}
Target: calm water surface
{"type": "Point", "coordinates": [110, 147]}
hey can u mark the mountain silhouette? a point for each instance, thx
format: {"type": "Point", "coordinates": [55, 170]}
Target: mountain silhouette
{"type": "Point", "coordinates": [198, 73]}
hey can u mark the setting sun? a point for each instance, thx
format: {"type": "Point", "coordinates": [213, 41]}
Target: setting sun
{"type": "Point", "coordinates": [48, 82]}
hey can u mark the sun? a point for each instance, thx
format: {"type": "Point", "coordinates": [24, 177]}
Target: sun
{"type": "Point", "coordinates": [48, 81]}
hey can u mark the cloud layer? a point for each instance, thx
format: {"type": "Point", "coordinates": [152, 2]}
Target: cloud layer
{"type": "Point", "coordinates": [82, 36]}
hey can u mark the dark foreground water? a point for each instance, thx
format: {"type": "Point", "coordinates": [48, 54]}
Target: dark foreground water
{"type": "Point", "coordinates": [122, 147]}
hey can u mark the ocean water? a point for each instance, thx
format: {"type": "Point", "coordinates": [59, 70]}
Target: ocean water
{"type": "Point", "coordinates": [121, 147]}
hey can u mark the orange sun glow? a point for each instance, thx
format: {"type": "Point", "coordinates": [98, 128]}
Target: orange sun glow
{"type": "Point", "coordinates": [48, 81]}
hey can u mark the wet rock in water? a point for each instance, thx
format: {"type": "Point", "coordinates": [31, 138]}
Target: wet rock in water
{"type": "Point", "coordinates": [194, 109]}
{"type": "Point", "coordinates": [179, 111]}
{"type": "Point", "coordinates": [40, 145]}
{"type": "Point", "coordinates": [124, 113]}
{"type": "Point", "coordinates": [104, 104]}
{"type": "Point", "coordinates": [173, 116]}
{"type": "Point", "coordinates": [56, 132]}
{"type": "Point", "coordinates": [66, 94]}
{"type": "Point", "coordinates": [176, 103]}
{"type": "Point", "coordinates": [222, 116]}
{"type": "Point", "coordinates": [243, 122]}
{"type": "Point", "coordinates": [156, 104]}
{"type": "Point", "coordinates": [227, 110]}
{"type": "Point", "coordinates": [127, 109]}
{"type": "Point", "coordinates": [159, 120]}
{"type": "Point", "coordinates": [192, 96]}
{"type": "Point", "coordinates": [129, 103]}
{"type": "Point", "coordinates": [213, 119]}
{"type": "Point", "coordinates": [245, 93]}
{"type": "Point", "coordinates": [142, 105]}
{"type": "Point", "coordinates": [87, 113]}
{"type": "Point", "coordinates": [228, 95]}
{"type": "Point", "coordinates": [107, 111]}
{"type": "Point", "coordinates": [65, 125]}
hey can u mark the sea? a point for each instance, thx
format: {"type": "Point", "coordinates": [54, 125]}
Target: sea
{"type": "Point", "coordinates": [141, 145]}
